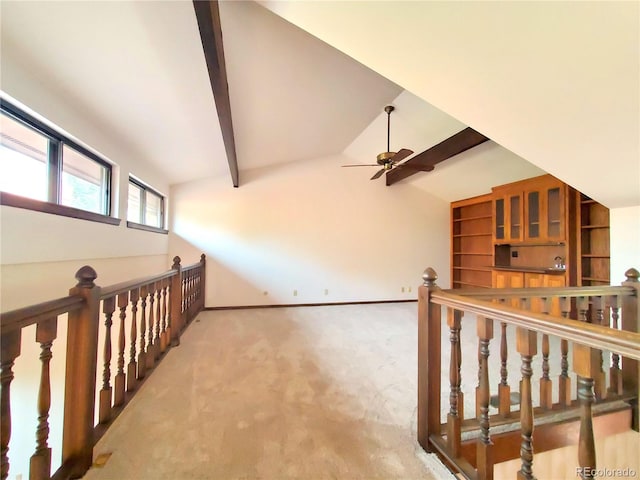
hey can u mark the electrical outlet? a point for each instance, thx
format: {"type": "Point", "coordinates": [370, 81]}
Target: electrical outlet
{"type": "Point", "coordinates": [409, 289]}
{"type": "Point", "coordinates": [295, 293]}
{"type": "Point", "coordinates": [402, 289]}
{"type": "Point", "coordinates": [326, 291]}
{"type": "Point", "coordinates": [265, 293]}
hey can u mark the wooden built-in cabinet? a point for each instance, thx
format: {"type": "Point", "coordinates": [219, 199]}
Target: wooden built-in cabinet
{"type": "Point", "coordinates": [506, 279]}
{"type": "Point", "coordinates": [471, 245]}
{"type": "Point", "coordinates": [545, 210]}
{"type": "Point", "coordinates": [532, 210]}
{"type": "Point", "coordinates": [537, 232]}
{"type": "Point", "coordinates": [507, 214]}
{"type": "Point", "coordinates": [593, 247]}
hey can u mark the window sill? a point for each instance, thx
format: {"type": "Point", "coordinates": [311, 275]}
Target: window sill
{"type": "Point", "coordinates": [146, 228]}
{"type": "Point", "coordinates": [11, 200]}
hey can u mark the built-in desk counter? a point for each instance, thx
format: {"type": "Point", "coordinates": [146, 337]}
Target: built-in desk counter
{"type": "Point", "coordinates": [545, 270]}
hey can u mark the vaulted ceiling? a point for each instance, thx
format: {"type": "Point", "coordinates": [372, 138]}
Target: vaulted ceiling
{"type": "Point", "coordinates": [556, 84]}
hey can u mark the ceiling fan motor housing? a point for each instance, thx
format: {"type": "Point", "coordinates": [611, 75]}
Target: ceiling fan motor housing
{"type": "Point", "coordinates": [385, 157]}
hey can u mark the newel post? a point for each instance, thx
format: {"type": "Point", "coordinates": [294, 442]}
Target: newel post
{"type": "Point", "coordinates": [429, 326]}
{"type": "Point", "coordinates": [203, 284]}
{"type": "Point", "coordinates": [175, 303]}
{"type": "Point", "coordinates": [81, 367]}
{"type": "Point", "coordinates": [631, 323]}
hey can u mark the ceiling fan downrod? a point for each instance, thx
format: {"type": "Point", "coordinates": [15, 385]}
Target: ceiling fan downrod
{"type": "Point", "coordinates": [389, 109]}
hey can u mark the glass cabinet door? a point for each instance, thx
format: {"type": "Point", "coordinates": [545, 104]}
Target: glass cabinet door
{"type": "Point", "coordinates": [553, 213]}
{"type": "Point", "coordinates": [514, 217]}
{"type": "Point", "coordinates": [500, 219]}
{"type": "Point", "coordinates": [533, 215]}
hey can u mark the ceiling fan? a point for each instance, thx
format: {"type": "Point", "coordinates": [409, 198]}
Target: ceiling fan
{"type": "Point", "coordinates": [387, 160]}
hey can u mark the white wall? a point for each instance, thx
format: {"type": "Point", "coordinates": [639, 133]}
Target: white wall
{"type": "Point", "coordinates": [40, 253]}
{"type": "Point", "coordinates": [30, 237]}
{"type": "Point", "coordinates": [625, 241]}
{"type": "Point", "coordinates": [310, 226]}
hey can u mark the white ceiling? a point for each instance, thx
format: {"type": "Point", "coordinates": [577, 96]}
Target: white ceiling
{"type": "Point", "coordinates": [557, 84]}
{"type": "Point", "coordinates": [293, 97]}
{"type": "Point", "coordinates": [137, 67]}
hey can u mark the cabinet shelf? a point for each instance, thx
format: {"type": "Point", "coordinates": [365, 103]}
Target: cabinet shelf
{"type": "Point", "coordinates": [478, 217]}
{"type": "Point", "coordinates": [594, 249]}
{"type": "Point", "coordinates": [469, 284]}
{"type": "Point", "coordinates": [474, 269]}
{"type": "Point", "coordinates": [488, 254]}
{"type": "Point", "coordinates": [599, 280]}
{"type": "Point", "coordinates": [472, 246]}
{"type": "Point", "coordinates": [459, 235]}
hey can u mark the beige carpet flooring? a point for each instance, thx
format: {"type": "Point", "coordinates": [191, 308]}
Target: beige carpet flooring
{"type": "Point", "coordinates": [281, 393]}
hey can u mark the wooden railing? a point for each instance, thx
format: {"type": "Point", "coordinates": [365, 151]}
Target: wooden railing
{"type": "Point", "coordinates": [151, 313]}
{"type": "Point", "coordinates": [606, 319]}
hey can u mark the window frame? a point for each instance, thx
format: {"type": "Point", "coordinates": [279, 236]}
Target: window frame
{"type": "Point", "coordinates": [143, 204]}
{"type": "Point", "coordinates": [55, 167]}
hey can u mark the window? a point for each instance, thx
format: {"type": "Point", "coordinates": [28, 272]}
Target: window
{"type": "Point", "coordinates": [145, 208]}
{"type": "Point", "coordinates": [41, 169]}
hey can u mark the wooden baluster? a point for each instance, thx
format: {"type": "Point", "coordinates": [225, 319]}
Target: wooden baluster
{"type": "Point", "coordinates": [546, 386]}
{"type": "Point", "coordinates": [615, 374]}
{"type": "Point", "coordinates": [176, 316]}
{"type": "Point", "coordinates": [163, 317]}
{"type": "Point", "coordinates": [600, 381]}
{"type": "Point", "coordinates": [80, 375]}
{"type": "Point", "coordinates": [104, 412]}
{"type": "Point", "coordinates": [631, 323]}
{"type": "Point", "coordinates": [40, 464]}
{"type": "Point", "coordinates": [586, 364]}
{"type": "Point", "coordinates": [583, 309]}
{"type": "Point", "coordinates": [484, 446]}
{"type": "Point", "coordinates": [455, 415]}
{"type": "Point", "coordinates": [151, 346]}
{"type": "Point", "coordinates": [10, 343]}
{"type": "Point", "coordinates": [504, 390]}
{"type": "Point", "coordinates": [142, 354]}
{"type": "Point", "coordinates": [190, 284]}
{"type": "Point", "coordinates": [564, 382]}
{"type": "Point", "coordinates": [119, 382]}
{"type": "Point", "coordinates": [586, 440]}
{"type": "Point", "coordinates": [429, 361]}
{"type": "Point", "coordinates": [203, 280]}
{"type": "Point", "coordinates": [479, 353]}
{"type": "Point", "coordinates": [158, 342]}
{"type": "Point", "coordinates": [132, 366]}
{"type": "Point", "coordinates": [190, 287]}
{"type": "Point", "coordinates": [526, 343]}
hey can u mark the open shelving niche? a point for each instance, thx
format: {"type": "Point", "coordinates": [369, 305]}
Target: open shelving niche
{"type": "Point", "coordinates": [471, 242]}
{"type": "Point", "coordinates": [594, 245]}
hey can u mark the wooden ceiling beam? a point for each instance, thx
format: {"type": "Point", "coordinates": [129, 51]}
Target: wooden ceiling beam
{"type": "Point", "coordinates": [426, 161]}
{"type": "Point", "coordinates": [208, 17]}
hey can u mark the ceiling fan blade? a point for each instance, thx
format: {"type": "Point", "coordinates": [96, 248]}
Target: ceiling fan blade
{"type": "Point", "coordinates": [401, 155]}
{"type": "Point", "coordinates": [362, 165]}
{"type": "Point", "coordinates": [378, 174]}
{"type": "Point", "coordinates": [417, 168]}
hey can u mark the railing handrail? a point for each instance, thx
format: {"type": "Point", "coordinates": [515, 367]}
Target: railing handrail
{"type": "Point", "coordinates": [31, 314]}
{"type": "Point", "coordinates": [191, 267]}
{"type": "Point", "coordinates": [544, 292]}
{"type": "Point", "coordinates": [122, 287]}
{"type": "Point", "coordinates": [591, 335]}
